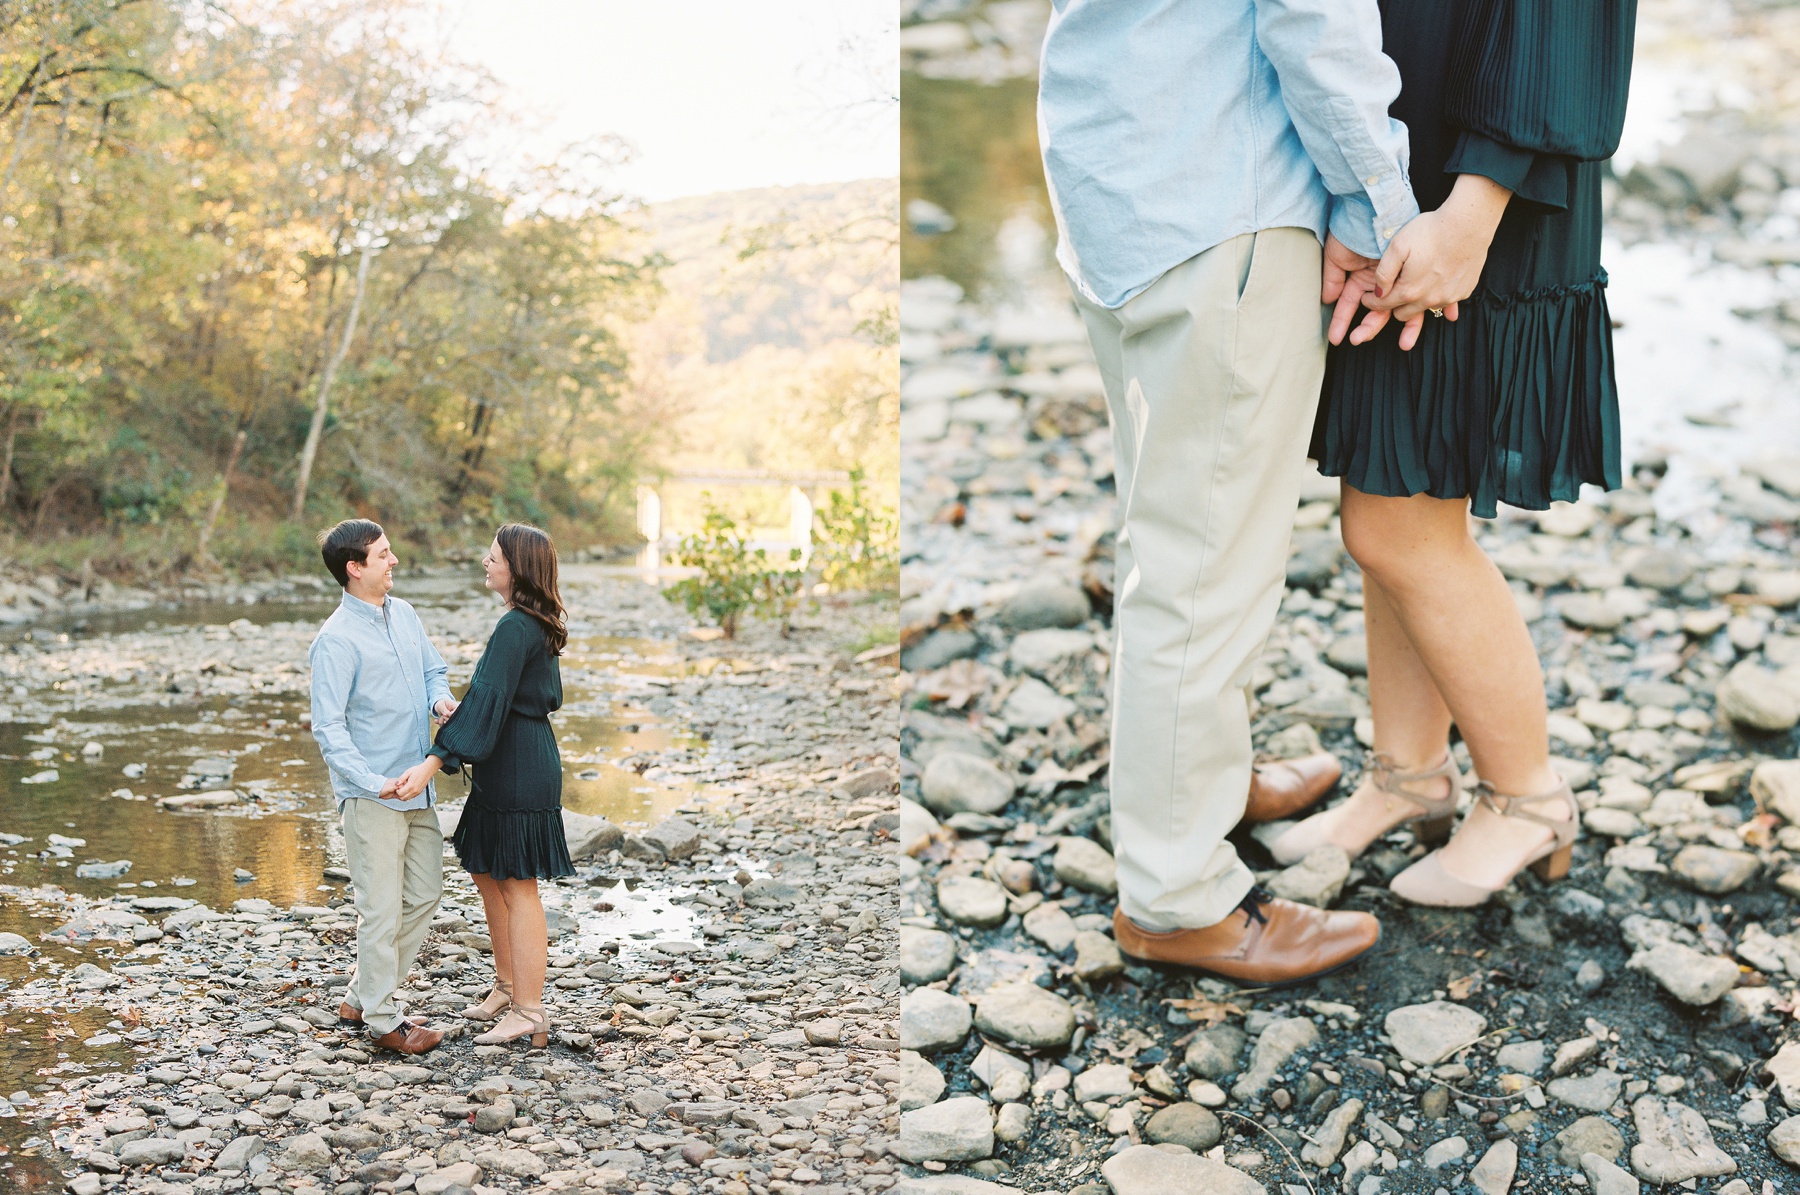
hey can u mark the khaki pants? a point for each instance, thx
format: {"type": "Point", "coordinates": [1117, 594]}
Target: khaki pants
{"type": "Point", "coordinates": [397, 863]}
{"type": "Point", "coordinates": [1212, 379]}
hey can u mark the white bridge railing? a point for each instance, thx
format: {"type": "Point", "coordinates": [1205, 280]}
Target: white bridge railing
{"type": "Point", "coordinates": [658, 534]}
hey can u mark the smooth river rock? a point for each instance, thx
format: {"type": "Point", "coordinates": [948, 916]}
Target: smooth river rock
{"type": "Point", "coordinates": [1493, 1175]}
{"type": "Point", "coordinates": [1714, 870]}
{"type": "Point", "coordinates": [959, 783]}
{"type": "Point", "coordinates": [1674, 1144]}
{"type": "Point", "coordinates": [1184, 1123]}
{"type": "Point", "coordinates": [1752, 696]}
{"type": "Point", "coordinates": [960, 1129]}
{"type": "Point", "coordinates": [926, 955]}
{"type": "Point", "coordinates": [1589, 1135]}
{"type": "Point", "coordinates": [1426, 1034]}
{"type": "Point", "coordinates": [1085, 864]}
{"type": "Point", "coordinates": [1687, 974]}
{"type": "Point", "coordinates": [971, 900]}
{"type": "Point", "coordinates": [1607, 1178]}
{"type": "Point", "coordinates": [1027, 1015]}
{"type": "Point", "coordinates": [1153, 1170]}
{"type": "Point", "coordinates": [1591, 1092]}
{"type": "Point", "coordinates": [931, 1020]}
{"type": "Point", "coordinates": [1278, 1043]}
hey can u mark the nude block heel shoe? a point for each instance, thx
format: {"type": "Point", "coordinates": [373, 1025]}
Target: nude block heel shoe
{"type": "Point", "coordinates": [1553, 866]}
{"type": "Point", "coordinates": [480, 1012]}
{"type": "Point", "coordinates": [537, 1027]}
{"type": "Point", "coordinates": [1427, 883]}
{"type": "Point", "coordinates": [1432, 822]}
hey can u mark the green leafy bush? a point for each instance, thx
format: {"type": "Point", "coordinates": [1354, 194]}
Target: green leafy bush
{"type": "Point", "coordinates": [859, 545]}
{"type": "Point", "coordinates": [734, 578]}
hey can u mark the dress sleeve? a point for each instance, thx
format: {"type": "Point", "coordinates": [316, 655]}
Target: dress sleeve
{"type": "Point", "coordinates": [471, 732]}
{"type": "Point", "coordinates": [1539, 85]}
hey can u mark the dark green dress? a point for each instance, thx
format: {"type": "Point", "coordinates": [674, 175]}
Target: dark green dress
{"type": "Point", "coordinates": [511, 826]}
{"type": "Point", "coordinates": [1515, 402]}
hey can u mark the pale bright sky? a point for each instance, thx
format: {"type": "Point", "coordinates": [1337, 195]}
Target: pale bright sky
{"type": "Point", "coordinates": [714, 95]}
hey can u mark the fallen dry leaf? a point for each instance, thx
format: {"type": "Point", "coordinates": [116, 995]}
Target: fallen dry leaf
{"type": "Point", "coordinates": [958, 683]}
{"type": "Point", "coordinates": [1204, 1011]}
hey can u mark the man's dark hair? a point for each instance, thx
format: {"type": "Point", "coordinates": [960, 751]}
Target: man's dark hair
{"type": "Point", "coordinates": [348, 541]}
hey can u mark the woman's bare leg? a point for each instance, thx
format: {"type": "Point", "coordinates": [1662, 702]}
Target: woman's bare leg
{"type": "Point", "coordinates": [1412, 728]}
{"type": "Point", "coordinates": [528, 945]}
{"type": "Point", "coordinates": [1446, 638]}
{"type": "Point", "coordinates": [499, 924]}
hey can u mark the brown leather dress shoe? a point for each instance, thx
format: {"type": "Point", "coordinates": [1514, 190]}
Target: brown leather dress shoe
{"type": "Point", "coordinates": [409, 1039]}
{"type": "Point", "coordinates": [352, 1015]}
{"type": "Point", "coordinates": [1283, 787]}
{"type": "Point", "coordinates": [1267, 941]}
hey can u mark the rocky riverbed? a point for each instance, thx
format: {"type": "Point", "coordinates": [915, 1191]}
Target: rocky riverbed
{"type": "Point", "coordinates": [723, 988]}
{"type": "Point", "coordinates": [1629, 1023]}
{"type": "Point", "coordinates": [1630, 1026]}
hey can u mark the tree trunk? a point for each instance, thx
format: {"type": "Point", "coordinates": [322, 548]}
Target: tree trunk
{"type": "Point", "coordinates": [19, 139]}
{"type": "Point", "coordinates": [6, 457]}
{"type": "Point", "coordinates": [43, 506]}
{"type": "Point", "coordinates": [323, 404]}
{"type": "Point", "coordinates": [218, 503]}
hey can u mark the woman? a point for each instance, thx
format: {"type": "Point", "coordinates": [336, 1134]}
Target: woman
{"type": "Point", "coordinates": [1511, 106]}
{"type": "Point", "coordinates": [510, 835]}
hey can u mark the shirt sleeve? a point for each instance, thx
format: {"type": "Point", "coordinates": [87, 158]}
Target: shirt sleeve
{"type": "Point", "coordinates": [1337, 84]}
{"type": "Point", "coordinates": [333, 673]}
{"type": "Point", "coordinates": [473, 730]}
{"type": "Point", "coordinates": [437, 684]}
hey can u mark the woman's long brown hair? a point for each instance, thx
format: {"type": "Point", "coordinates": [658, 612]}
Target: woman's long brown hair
{"type": "Point", "coordinates": [532, 558]}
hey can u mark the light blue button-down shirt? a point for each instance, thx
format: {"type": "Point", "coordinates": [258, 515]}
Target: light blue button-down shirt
{"type": "Point", "coordinates": [375, 677]}
{"type": "Point", "coordinates": [1171, 126]}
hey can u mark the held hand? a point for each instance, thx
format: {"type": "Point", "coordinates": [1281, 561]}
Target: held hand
{"type": "Point", "coordinates": [412, 782]}
{"type": "Point", "coordinates": [1350, 282]}
{"type": "Point", "coordinates": [388, 788]}
{"type": "Point", "coordinates": [1436, 260]}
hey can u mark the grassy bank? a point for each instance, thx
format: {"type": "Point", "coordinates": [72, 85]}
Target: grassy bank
{"type": "Point", "coordinates": [244, 550]}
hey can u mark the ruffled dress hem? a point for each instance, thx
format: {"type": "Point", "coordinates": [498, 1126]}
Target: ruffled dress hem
{"type": "Point", "coordinates": [521, 844]}
{"type": "Point", "coordinates": [1515, 402]}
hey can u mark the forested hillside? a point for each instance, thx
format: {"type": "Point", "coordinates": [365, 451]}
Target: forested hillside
{"type": "Point", "coordinates": [252, 277]}
{"type": "Point", "coordinates": [772, 341]}
{"type": "Point", "coordinates": [255, 276]}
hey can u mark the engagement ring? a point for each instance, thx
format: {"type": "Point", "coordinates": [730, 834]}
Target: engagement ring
{"type": "Point", "coordinates": [1437, 311]}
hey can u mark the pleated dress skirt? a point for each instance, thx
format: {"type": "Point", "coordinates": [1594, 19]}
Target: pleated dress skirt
{"type": "Point", "coordinates": [1515, 401]}
{"type": "Point", "coordinates": [511, 826]}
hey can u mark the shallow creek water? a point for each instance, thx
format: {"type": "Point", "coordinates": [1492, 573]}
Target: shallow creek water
{"type": "Point", "coordinates": [66, 805]}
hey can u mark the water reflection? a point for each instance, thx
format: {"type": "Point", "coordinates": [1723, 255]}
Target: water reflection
{"type": "Point", "coordinates": [972, 149]}
{"type": "Point", "coordinates": [38, 1045]}
{"type": "Point", "coordinates": [281, 836]}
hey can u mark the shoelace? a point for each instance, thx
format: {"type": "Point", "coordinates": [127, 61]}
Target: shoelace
{"type": "Point", "coordinates": [1252, 904]}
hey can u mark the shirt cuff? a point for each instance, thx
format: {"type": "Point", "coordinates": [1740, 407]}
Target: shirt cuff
{"type": "Point", "coordinates": [1539, 179]}
{"type": "Point", "coordinates": [1364, 225]}
{"type": "Point", "coordinates": [1353, 224]}
{"type": "Point", "coordinates": [452, 763]}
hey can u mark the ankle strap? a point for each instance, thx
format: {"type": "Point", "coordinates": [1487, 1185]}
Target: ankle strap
{"type": "Point", "coordinates": [1391, 780]}
{"type": "Point", "coordinates": [1509, 805]}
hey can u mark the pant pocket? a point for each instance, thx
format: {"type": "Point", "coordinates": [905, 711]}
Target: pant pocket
{"type": "Point", "coordinates": [1247, 266]}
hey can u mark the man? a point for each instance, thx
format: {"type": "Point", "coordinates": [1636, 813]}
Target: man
{"type": "Point", "coordinates": [377, 683]}
{"type": "Point", "coordinates": [1197, 153]}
